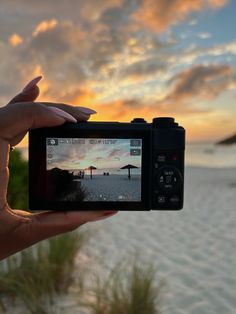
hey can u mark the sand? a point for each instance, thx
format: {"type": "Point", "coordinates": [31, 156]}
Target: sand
{"type": "Point", "coordinates": [112, 188]}
{"type": "Point", "coordinates": [194, 249]}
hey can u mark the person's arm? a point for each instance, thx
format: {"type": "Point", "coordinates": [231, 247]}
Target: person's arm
{"type": "Point", "coordinates": [20, 229]}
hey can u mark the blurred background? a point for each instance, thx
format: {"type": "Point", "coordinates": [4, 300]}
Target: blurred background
{"type": "Point", "coordinates": [126, 59]}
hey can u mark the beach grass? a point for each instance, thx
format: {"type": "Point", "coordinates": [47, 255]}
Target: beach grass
{"type": "Point", "coordinates": [41, 272]}
{"type": "Point", "coordinates": [128, 290]}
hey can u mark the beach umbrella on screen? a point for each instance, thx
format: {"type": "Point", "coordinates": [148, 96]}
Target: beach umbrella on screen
{"type": "Point", "coordinates": [129, 167]}
{"type": "Point", "coordinates": [91, 168]}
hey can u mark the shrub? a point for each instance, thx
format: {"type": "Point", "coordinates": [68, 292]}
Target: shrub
{"type": "Point", "coordinates": [18, 183]}
{"type": "Point", "coordinates": [41, 272]}
{"type": "Point", "coordinates": [127, 291]}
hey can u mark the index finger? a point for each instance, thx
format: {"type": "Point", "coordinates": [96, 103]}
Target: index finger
{"type": "Point", "coordinates": [25, 97]}
{"type": "Point", "coordinates": [29, 93]}
{"type": "Point", "coordinates": [19, 118]}
{"type": "Point", "coordinates": [79, 113]}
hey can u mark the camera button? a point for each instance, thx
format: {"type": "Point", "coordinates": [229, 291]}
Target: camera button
{"type": "Point", "coordinates": [138, 120]}
{"type": "Point", "coordinates": [161, 199]}
{"type": "Point", "coordinates": [174, 157]}
{"type": "Point", "coordinates": [161, 158]}
{"type": "Point", "coordinates": [174, 199]}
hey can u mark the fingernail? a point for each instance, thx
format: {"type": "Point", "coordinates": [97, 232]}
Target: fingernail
{"type": "Point", "coordinates": [31, 85]}
{"type": "Point", "coordinates": [87, 110]}
{"type": "Point", "coordinates": [63, 114]}
{"type": "Point", "coordinates": [106, 215]}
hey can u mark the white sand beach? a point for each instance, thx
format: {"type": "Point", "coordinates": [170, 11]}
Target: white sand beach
{"type": "Point", "coordinates": [194, 249]}
{"type": "Point", "coordinates": [112, 188]}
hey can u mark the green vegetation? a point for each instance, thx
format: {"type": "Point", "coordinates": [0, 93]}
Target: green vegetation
{"type": "Point", "coordinates": [41, 272]}
{"type": "Point", "coordinates": [128, 290]}
{"type": "Point", "coordinates": [64, 186]}
{"type": "Point", "coordinates": [18, 184]}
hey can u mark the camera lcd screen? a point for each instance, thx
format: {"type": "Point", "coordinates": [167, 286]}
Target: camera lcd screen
{"type": "Point", "coordinates": [94, 169]}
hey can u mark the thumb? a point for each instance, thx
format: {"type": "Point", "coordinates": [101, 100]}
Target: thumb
{"type": "Point", "coordinates": [29, 93]}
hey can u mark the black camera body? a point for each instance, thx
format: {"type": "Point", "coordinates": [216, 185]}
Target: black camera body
{"type": "Point", "coordinates": [107, 165]}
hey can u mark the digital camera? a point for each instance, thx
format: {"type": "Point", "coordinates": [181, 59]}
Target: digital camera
{"type": "Point", "coordinates": [107, 165]}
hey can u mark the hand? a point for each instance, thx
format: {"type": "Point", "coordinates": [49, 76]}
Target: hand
{"type": "Point", "coordinates": [20, 229]}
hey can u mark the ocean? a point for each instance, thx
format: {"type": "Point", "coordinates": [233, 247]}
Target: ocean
{"type": "Point", "coordinates": [210, 155]}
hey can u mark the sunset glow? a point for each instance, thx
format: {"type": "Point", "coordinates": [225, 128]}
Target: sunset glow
{"type": "Point", "coordinates": [126, 59]}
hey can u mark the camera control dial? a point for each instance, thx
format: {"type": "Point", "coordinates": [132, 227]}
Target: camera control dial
{"type": "Point", "coordinates": [164, 122]}
{"type": "Point", "coordinates": [169, 178]}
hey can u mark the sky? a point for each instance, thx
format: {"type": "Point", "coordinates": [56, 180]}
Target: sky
{"type": "Point", "coordinates": [127, 58]}
{"type": "Point", "coordinates": [104, 154]}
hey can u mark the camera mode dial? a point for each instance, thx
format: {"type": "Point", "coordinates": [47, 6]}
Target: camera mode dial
{"type": "Point", "coordinates": [164, 122]}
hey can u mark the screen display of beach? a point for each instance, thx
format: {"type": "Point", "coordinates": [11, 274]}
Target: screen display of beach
{"type": "Point", "coordinates": [95, 169]}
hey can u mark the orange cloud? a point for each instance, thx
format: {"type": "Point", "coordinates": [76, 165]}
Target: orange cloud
{"type": "Point", "coordinates": [85, 98]}
{"type": "Point", "coordinates": [44, 26]}
{"type": "Point", "coordinates": [189, 88]}
{"type": "Point", "coordinates": [81, 96]}
{"type": "Point", "coordinates": [92, 10]}
{"type": "Point", "coordinates": [15, 40]}
{"type": "Point", "coordinates": [199, 124]}
{"type": "Point", "coordinates": [217, 3]}
{"type": "Point", "coordinates": [119, 110]}
{"type": "Point", "coordinates": [159, 15]}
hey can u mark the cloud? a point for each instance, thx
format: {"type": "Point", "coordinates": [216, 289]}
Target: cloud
{"type": "Point", "coordinates": [188, 89]}
{"type": "Point", "coordinates": [194, 52]}
{"type": "Point", "coordinates": [69, 56]}
{"type": "Point", "coordinates": [118, 110]}
{"type": "Point", "coordinates": [139, 70]}
{"type": "Point", "coordinates": [193, 22]}
{"type": "Point", "coordinates": [228, 48]}
{"type": "Point", "coordinates": [92, 10]}
{"type": "Point", "coordinates": [204, 35]}
{"type": "Point", "coordinates": [205, 82]}
{"type": "Point", "coordinates": [11, 71]}
{"type": "Point", "coordinates": [15, 40]}
{"type": "Point", "coordinates": [107, 54]}
{"type": "Point", "coordinates": [63, 157]}
{"type": "Point", "coordinates": [115, 153]}
{"type": "Point", "coordinates": [74, 9]}
{"type": "Point", "coordinates": [128, 109]}
{"type": "Point", "coordinates": [51, 38]}
{"type": "Point", "coordinates": [57, 49]}
{"type": "Point", "coordinates": [76, 96]}
{"type": "Point", "coordinates": [44, 26]}
{"type": "Point", "coordinates": [159, 15]}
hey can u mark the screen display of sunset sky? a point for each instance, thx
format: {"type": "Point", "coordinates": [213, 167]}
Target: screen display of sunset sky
{"type": "Point", "coordinates": [101, 153]}
{"type": "Point", "coordinates": [127, 58]}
